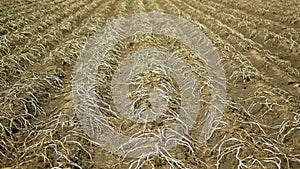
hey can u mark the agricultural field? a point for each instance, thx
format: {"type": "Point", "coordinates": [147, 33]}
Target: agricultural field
{"type": "Point", "coordinates": [257, 42]}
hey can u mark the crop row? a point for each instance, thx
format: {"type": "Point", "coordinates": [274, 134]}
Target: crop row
{"type": "Point", "coordinates": [271, 97]}
{"type": "Point", "coordinates": [19, 39]}
{"type": "Point", "coordinates": [13, 7]}
{"type": "Point", "coordinates": [244, 42]}
{"type": "Point", "coordinates": [28, 96]}
{"type": "Point", "coordinates": [8, 5]}
{"type": "Point", "coordinates": [42, 44]}
{"type": "Point", "coordinates": [265, 38]}
{"type": "Point", "coordinates": [39, 13]}
{"type": "Point", "coordinates": [14, 19]}
{"type": "Point", "coordinates": [232, 49]}
{"type": "Point", "coordinates": [229, 47]}
{"type": "Point", "coordinates": [278, 8]}
{"type": "Point", "coordinates": [37, 75]}
{"type": "Point", "coordinates": [35, 81]}
{"type": "Point", "coordinates": [257, 22]}
{"type": "Point", "coordinates": [289, 20]}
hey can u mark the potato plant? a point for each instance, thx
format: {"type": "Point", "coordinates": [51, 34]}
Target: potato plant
{"type": "Point", "coordinates": [258, 43]}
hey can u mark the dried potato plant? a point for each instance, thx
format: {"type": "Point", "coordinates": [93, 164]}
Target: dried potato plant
{"type": "Point", "coordinates": [258, 44]}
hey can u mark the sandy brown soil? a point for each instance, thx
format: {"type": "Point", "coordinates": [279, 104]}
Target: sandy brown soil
{"type": "Point", "coordinates": [259, 45]}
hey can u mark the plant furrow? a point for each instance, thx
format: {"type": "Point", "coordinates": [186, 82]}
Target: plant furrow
{"type": "Point", "coordinates": [247, 43]}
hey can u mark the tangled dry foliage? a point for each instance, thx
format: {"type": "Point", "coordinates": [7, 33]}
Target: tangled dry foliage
{"type": "Point", "coordinates": [257, 41]}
